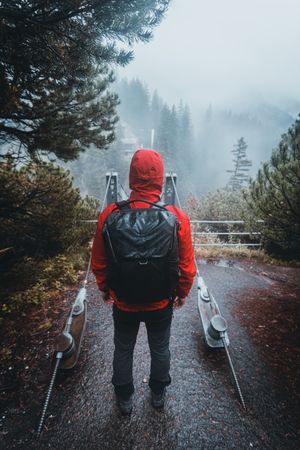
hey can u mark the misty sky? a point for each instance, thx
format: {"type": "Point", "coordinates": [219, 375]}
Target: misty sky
{"type": "Point", "coordinates": [225, 52]}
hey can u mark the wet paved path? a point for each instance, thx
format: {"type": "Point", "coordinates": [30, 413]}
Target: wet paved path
{"type": "Point", "coordinates": [202, 408]}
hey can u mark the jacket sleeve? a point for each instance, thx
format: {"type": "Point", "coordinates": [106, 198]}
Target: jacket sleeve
{"type": "Point", "coordinates": [99, 259]}
{"type": "Point", "coordinates": [186, 257]}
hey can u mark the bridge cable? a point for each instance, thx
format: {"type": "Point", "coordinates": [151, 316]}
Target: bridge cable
{"type": "Point", "coordinates": [222, 334]}
{"type": "Point", "coordinates": [59, 354]}
{"type": "Point", "coordinates": [102, 208]}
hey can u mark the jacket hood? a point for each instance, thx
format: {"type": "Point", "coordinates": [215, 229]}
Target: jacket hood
{"type": "Point", "coordinates": [146, 173]}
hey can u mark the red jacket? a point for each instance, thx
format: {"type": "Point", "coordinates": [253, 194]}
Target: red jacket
{"type": "Point", "coordinates": [146, 181]}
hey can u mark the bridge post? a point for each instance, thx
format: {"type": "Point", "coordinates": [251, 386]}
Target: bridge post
{"type": "Point", "coordinates": [112, 193]}
{"type": "Point", "coordinates": [169, 192]}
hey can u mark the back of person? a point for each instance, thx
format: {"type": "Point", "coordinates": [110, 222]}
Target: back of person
{"type": "Point", "coordinates": [142, 250]}
{"type": "Point", "coordinates": [131, 307]}
{"type": "Point", "coordinates": [146, 181]}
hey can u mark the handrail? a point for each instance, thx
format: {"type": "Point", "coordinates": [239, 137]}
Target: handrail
{"type": "Point", "coordinates": [226, 244]}
{"type": "Point", "coordinates": [247, 233]}
{"type": "Point", "coordinates": [223, 221]}
{"type": "Point", "coordinates": [195, 234]}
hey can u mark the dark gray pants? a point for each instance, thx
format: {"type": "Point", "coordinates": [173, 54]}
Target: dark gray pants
{"type": "Point", "coordinates": [126, 327]}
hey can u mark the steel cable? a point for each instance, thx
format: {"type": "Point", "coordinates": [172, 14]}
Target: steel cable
{"type": "Point", "coordinates": [67, 328]}
{"type": "Point", "coordinates": [58, 358]}
{"type": "Point", "coordinates": [222, 336]}
{"type": "Point", "coordinates": [179, 204]}
{"type": "Point", "coordinates": [102, 208]}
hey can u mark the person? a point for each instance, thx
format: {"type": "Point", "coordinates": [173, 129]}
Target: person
{"type": "Point", "coordinates": [145, 181]}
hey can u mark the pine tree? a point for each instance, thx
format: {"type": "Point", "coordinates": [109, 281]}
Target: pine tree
{"type": "Point", "coordinates": [185, 135]}
{"type": "Point", "coordinates": [173, 131]}
{"type": "Point", "coordinates": [239, 178]}
{"type": "Point", "coordinates": [54, 74]}
{"type": "Point", "coordinates": [274, 196]}
{"type": "Point", "coordinates": [155, 112]}
{"type": "Point", "coordinates": [135, 108]}
{"type": "Point", "coordinates": [63, 120]}
{"type": "Point", "coordinates": [33, 200]}
{"type": "Point", "coordinates": [167, 134]}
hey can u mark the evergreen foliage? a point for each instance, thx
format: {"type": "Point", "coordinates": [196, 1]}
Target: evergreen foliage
{"type": "Point", "coordinates": [54, 72]}
{"type": "Point", "coordinates": [40, 209]}
{"type": "Point", "coordinates": [155, 110]}
{"type": "Point", "coordinates": [239, 178]}
{"type": "Point", "coordinates": [134, 108]}
{"type": "Point", "coordinates": [32, 282]}
{"type": "Point", "coordinates": [167, 133]}
{"type": "Point", "coordinates": [274, 196]}
{"type": "Point", "coordinates": [40, 212]}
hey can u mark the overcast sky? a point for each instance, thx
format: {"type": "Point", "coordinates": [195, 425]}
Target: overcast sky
{"type": "Point", "coordinates": [224, 52]}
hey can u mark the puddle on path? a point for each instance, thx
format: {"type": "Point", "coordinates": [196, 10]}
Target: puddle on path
{"type": "Point", "coordinates": [219, 262]}
{"type": "Point", "coordinates": [225, 263]}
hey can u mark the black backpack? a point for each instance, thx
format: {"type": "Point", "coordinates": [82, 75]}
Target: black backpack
{"type": "Point", "coordinates": [142, 251]}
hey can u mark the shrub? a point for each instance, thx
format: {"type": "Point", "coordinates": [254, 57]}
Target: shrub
{"type": "Point", "coordinates": [274, 197]}
{"type": "Point", "coordinates": [40, 214]}
{"type": "Point", "coordinates": [40, 209]}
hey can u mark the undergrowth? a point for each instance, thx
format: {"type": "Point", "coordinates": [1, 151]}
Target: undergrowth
{"type": "Point", "coordinates": [32, 282]}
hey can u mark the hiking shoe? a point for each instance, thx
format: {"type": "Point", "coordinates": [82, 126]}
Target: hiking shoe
{"type": "Point", "coordinates": [125, 406]}
{"type": "Point", "coordinates": [158, 400]}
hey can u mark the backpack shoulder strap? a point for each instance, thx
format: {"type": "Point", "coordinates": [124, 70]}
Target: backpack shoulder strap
{"type": "Point", "coordinates": [124, 205]}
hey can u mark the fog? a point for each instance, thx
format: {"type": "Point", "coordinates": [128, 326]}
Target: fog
{"type": "Point", "coordinates": [239, 60]}
{"type": "Point", "coordinates": [229, 53]}
{"type": "Point", "coordinates": [235, 65]}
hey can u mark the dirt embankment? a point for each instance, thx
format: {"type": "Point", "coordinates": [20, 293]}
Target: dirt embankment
{"type": "Point", "coordinates": [272, 319]}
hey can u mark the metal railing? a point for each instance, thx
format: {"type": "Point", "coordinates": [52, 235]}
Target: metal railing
{"type": "Point", "coordinates": [196, 234]}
